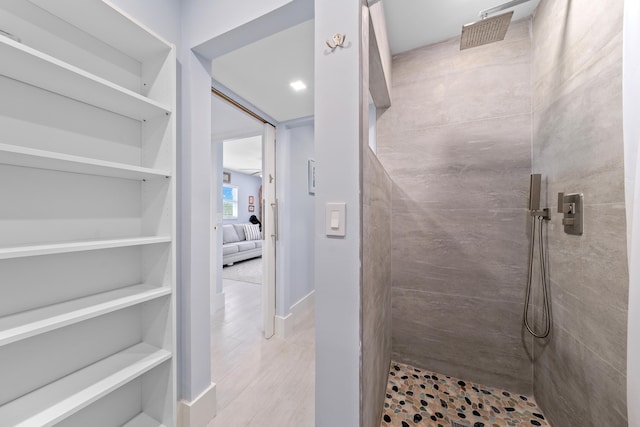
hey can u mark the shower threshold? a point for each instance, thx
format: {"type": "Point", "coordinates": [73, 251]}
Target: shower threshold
{"type": "Point", "coordinates": [417, 397]}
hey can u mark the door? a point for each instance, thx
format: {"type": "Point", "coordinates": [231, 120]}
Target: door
{"type": "Point", "coordinates": [269, 229]}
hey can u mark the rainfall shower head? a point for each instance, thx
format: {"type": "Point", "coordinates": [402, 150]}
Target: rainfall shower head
{"type": "Point", "coordinates": [488, 30]}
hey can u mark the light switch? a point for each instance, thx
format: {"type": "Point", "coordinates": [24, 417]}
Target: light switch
{"type": "Point", "coordinates": [335, 219]}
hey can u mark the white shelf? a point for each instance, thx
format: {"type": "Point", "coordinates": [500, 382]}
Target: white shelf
{"type": "Point", "coordinates": [105, 71]}
{"type": "Point", "coordinates": [30, 66]}
{"type": "Point", "coordinates": [78, 246]}
{"type": "Point", "coordinates": [54, 402]}
{"type": "Point", "coordinates": [41, 159]}
{"type": "Point", "coordinates": [29, 323]}
{"type": "Point", "coordinates": [143, 420]}
{"type": "Point", "coordinates": [100, 18]}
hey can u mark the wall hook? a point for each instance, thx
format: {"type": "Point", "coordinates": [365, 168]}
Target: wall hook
{"type": "Point", "coordinates": [338, 41]}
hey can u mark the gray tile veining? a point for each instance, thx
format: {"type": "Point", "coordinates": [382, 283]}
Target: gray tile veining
{"type": "Point", "coordinates": [445, 58]}
{"type": "Point", "coordinates": [469, 239]}
{"type": "Point", "coordinates": [572, 42]}
{"type": "Point", "coordinates": [603, 331]}
{"type": "Point", "coordinates": [501, 359]}
{"type": "Point", "coordinates": [579, 371]}
{"type": "Point", "coordinates": [457, 145]}
{"type": "Point", "coordinates": [575, 387]}
{"type": "Point", "coordinates": [463, 134]}
{"type": "Point", "coordinates": [596, 262]}
{"type": "Point", "coordinates": [376, 287]}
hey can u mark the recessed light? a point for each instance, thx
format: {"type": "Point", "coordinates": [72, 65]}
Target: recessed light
{"type": "Point", "coordinates": [298, 85]}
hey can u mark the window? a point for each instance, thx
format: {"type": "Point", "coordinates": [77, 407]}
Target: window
{"type": "Point", "coordinates": [229, 202]}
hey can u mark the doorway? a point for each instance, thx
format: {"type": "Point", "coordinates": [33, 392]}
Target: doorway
{"type": "Point", "coordinates": [243, 369]}
{"type": "Point", "coordinates": [244, 229]}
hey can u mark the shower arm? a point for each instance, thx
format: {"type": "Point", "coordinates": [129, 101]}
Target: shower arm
{"type": "Point", "coordinates": [503, 6]}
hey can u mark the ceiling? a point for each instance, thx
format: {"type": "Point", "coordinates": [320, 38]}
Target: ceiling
{"type": "Point", "coordinates": [416, 23]}
{"type": "Point", "coordinates": [241, 135]}
{"type": "Point", "coordinates": [243, 155]}
{"type": "Point", "coordinates": [261, 72]}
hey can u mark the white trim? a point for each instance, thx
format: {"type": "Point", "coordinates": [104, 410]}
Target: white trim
{"type": "Point", "coordinates": [304, 304]}
{"type": "Point", "coordinates": [286, 325]}
{"type": "Point", "coordinates": [201, 411]}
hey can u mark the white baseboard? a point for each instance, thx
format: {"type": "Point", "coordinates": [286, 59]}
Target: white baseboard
{"type": "Point", "coordinates": [201, 411]}
{"type": "Point", "coordinates": [218, 301]}
{"type": "Point", "coordinates": [284, 326]}
{"type": "Point", "coordinates": [305, 303]}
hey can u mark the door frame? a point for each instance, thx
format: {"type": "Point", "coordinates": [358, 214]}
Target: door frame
{"type": "Point", "coordinates": [270, 218]}
{"type": "Point", "coordinates": [269, 229]}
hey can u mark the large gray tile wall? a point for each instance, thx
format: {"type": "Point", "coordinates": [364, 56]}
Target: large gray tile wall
{"type": "Point", "coordinates": [376, 287]}
{"type": "Point", "coordinates": [457, 144]}
{"type": "Point", "coordinates": [580, 371]}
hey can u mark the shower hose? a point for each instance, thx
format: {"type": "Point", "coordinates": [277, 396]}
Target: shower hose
{"type": "Point", "coordinates": [546, 313]}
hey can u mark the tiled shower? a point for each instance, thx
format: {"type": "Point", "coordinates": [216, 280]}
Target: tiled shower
{"type": "Point", "coordinates": [463, 134]}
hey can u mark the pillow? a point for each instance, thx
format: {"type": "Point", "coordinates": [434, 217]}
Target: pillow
{"type": "Point", "coordinates": [229, 234]}
{"type": "Point", "coordinates": [252, 231]}
{"type": "Point", "coordinates": [240, 230]}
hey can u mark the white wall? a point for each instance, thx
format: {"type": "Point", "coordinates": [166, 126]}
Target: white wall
{"type": "Point", "coordinates": [201, 21]}
{"type": "Point", "coordinates": [160, 16]}
{"type": "Point", "coordinates": [340, 122]}
{"type": "Point", "coordinates": [208, 19]}
{"type": "Point", "coordinates": [301, 215]}
{"type": "Point", "coordinates": [295, 276]}
{"type": "Point", "coordinates": [631, 95]}
{"type": "Point", "coordinates": [218, 27]}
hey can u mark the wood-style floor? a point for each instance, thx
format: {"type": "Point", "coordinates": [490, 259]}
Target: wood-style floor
{"type": "Point", "coordinates": [264, 383]}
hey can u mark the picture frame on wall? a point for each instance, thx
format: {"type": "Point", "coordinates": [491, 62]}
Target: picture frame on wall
{"type": "Point", "coordinates": [251, 200]}
{"type": "Point", "coordinates": [252, 208]}
{"type": "Point", "coordinates": [226, 177]}
{"type": "Point", "coordinates": [311, 176]}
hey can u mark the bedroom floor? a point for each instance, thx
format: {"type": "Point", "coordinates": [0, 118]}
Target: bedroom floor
{"type": "Point", "coordinates": [260, 382]}
{"type": "Point", "coordinates": [417, 397]}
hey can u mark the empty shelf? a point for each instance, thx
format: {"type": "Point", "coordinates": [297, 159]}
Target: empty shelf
{"type": "Point", "coordinates": [29, 323]}
{"type": "Point", "coordinates": [78, 246]}
{"type": "Point", "coordinates": [143, 420]}
{"type": "Point", "coordinates": [99, 18]}
{"type": "Point", "coordinates": [41, 159]}
{"type": "Point", "coordinates": [54, 402]}
{"type": "Point", "coordinates": [30, 66]}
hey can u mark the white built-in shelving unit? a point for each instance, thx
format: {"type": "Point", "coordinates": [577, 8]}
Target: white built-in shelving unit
{"type": "Point", "coordinates": [87, 217]}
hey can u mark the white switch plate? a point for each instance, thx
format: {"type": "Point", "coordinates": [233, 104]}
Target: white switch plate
{"type": "Point", "coordinates": [335, 219]}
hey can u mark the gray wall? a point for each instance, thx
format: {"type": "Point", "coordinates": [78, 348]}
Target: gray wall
{"type": "Point", "coordinates": [580, 372]}
{"type": "Point", "coordinates": [248, 185]}
{"type": "Point", "coordinates": [376, 287]}
{"type": "Point", "coordinates": [457, 144]}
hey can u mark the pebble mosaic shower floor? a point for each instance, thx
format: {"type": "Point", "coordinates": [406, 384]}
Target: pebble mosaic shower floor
{"type": "Point", "coordinates": [416, 397]}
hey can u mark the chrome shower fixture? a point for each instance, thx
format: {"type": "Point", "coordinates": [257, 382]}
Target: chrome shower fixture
{"type": "Point", "coordinates": [488, 30]}
{"type": "Point", "coordinates": [539, 216]}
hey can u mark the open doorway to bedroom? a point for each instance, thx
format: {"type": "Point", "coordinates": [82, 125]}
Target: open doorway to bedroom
{"type": "Point", "coordinates": [253, 374]}
{"type": "Point", "coordinates": [242, 217]}
{"type": "Point", "coordinates": [238, 213]}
